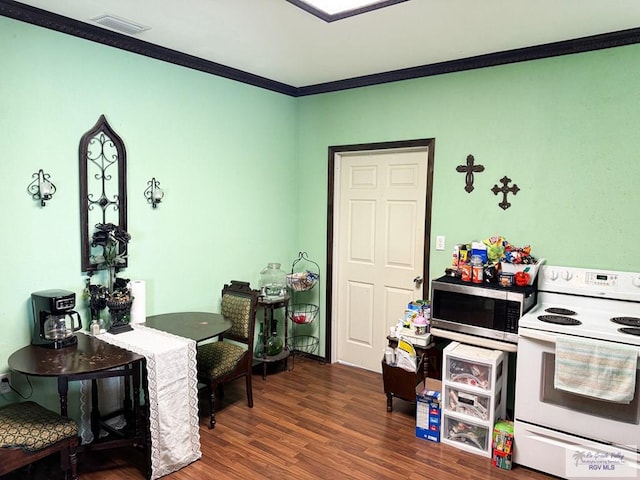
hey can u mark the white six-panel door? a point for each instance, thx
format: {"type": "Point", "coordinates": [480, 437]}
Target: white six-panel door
{"type": "Point", "coordinates": [378, 250]}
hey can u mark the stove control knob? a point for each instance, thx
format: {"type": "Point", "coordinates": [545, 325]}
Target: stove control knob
{"type": "Point", "coordinates": [551, 274]}
{"type": "Point", "coordinates": [566, 275]}
{"type": "Point", "coordinates": [636, 282]}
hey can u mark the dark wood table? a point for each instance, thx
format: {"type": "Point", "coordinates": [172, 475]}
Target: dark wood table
{"type": "Point", "coordinates": [91, 359]}
{"type": "Point", "coordinates": [198, 326]}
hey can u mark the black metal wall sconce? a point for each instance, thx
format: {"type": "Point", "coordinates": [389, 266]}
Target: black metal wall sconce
{"type": "Point", "coordinates": [41, 188]}
{"type": "Point", "coordinates": [153, 193]}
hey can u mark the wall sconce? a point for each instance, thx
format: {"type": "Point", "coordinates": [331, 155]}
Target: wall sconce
{"type": "Point", "coordinates": [153, 193]}
{"type": "Point", "coordinates": [41, 188]}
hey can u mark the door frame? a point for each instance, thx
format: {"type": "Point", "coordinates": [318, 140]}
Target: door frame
{"type": "Point", "coordinates": [334, 152]}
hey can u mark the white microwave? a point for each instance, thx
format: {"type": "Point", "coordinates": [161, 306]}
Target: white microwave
{"type": "Point", "coordinates": [486, 310]}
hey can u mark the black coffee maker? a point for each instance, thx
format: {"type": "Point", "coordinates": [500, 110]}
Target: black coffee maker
{"type": "Point", "coordinates": [54, 318]}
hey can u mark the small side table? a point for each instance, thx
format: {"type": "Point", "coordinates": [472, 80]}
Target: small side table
{"type": "Point", "coordinates": [402, 383]}
{"type": "Point", "coordinates": [269, 305]}
{"type": "Point", "coordinates": [432, 356]}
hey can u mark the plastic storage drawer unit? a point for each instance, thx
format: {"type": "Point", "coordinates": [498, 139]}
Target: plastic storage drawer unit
{"type": "Point", "coordinates": [474, 396]}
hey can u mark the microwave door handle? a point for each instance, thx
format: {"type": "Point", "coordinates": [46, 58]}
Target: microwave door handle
{"type": "Point", "coordinates": [542, 336]}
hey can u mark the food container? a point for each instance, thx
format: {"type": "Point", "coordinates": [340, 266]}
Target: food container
{"type": "Point", "coordinates": [476, 269]}
{"type": "Point", "coordinates": [479, 249]}
{"type": "Point", "coordinates": [506, 279]}
{"type": "Point", "coordinates": [476, 274]}
{"type": "Point", "coordinates": [466, 273]}
{"type": "Point", "coordinates": [420, 325]}
{"type": "Point", "coordinates": [428, 413]}
{"type": "Point", "coordinates": [272, 280]}
{"type": "Point", "coordinates": [502, 444]}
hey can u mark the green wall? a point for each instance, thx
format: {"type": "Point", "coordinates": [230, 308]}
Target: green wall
{"type": "Point", "coordinates": [223, 151]}
{"type": "Point", "coordinates": [564, 129]}
{"type": "Point", "coordinates": [245, 170]}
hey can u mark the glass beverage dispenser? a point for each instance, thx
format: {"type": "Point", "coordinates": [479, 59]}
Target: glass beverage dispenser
{"type": "Point", "coordinates": [272, 281]}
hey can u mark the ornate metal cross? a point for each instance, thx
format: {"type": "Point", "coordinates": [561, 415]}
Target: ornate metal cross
{"type": "Point", "coordinates": [505, 190]}
{"type": "Point", "coordinates": [469, 169]}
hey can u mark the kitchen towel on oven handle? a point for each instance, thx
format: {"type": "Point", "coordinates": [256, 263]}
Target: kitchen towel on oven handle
{"type": "Point", "coordinates": [596, 369]}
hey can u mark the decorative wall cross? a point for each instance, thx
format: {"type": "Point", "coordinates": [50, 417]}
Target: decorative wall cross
{"type": "Point", "coordinates": [469, 169]}
{"type": "Point", "coordinates": [505, 190]}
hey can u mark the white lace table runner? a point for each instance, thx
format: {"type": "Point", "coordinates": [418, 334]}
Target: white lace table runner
{"type": "Point", "coordinates": [173, 396]}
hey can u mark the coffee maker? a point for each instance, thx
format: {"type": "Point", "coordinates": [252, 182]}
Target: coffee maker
{"type": "Point", "coordinates": [54, 318]}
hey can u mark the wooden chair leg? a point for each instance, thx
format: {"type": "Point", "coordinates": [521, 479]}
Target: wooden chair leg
{"type": "Point", "coordinates": [389, 402]}
{"type": "Point", "coordinates": [65, 459]}
{"type": "Point", "coordinates": [249, 391]}
{"type": "Point", "coordinates": [212, 406]}
{"type": "Point", "coordinates": [69, 460]}
{"type": "Point", "coordinates": [73, 459]}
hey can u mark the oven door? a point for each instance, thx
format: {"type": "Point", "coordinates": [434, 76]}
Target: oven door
{"type": "Point", "coordinates": [537, 402]}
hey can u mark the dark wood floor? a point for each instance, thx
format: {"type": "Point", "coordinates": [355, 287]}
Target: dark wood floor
{"type": "Point", "coordinates": [313, 422]}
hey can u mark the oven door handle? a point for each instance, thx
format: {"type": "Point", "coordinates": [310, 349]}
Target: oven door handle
{"type": "Point", "coordinates": [539, 335]}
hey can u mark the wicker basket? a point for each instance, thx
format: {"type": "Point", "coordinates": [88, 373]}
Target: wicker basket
{"type": "Point", "coordinates": [302, 281]}
{"type": "Point", "coordinates": [303, 313]}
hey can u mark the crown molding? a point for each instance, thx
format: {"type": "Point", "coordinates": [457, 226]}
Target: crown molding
{"type": "Point", "coordinates": [568, 47]}
{"type": "Point", "coordinates": [59, 23]}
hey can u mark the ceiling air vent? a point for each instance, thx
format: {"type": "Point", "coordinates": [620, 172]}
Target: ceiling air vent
{"type": "Point", "coordinates": [119, 24]}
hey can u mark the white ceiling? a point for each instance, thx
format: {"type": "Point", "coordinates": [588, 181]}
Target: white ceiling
{"type": "Point", "coordinates": [279, 41]}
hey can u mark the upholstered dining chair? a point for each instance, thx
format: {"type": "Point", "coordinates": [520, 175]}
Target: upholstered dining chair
{"type": "Point", "coordinates": [30, 432]}
{"type": "Point", "coordinates": [231, 357]}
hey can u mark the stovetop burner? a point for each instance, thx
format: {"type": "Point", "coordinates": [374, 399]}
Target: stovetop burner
{"type": "Point", "coordinates": [560, 311]}
{"type": "Point", "coordinates": [559, 319]}
{"type": "Point", "coordinates": [630, 330]}
{"type": "Point", "coordinates": [628, 321]}
{"type": "Point", "coordinates": [600, 299]}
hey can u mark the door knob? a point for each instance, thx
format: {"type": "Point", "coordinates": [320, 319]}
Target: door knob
{"type": "Point", "coordinates": [418, 281]}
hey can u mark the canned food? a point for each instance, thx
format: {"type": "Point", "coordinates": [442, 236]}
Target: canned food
{"type": "Point", "coordinates": [466, 273]}
{"type": "Point", "coordinates": [476, 274]}
{"type": "Point", "coordinates": [506, 279]}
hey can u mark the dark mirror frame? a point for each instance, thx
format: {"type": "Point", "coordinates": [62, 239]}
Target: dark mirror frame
{"type": "Point", "coordinates": [103, 133]}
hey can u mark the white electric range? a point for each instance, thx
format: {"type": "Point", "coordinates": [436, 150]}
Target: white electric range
{"type": "Point", "coordinates": [562, 433]}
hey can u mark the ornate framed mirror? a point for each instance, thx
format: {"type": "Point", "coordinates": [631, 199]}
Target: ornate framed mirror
{"type": "Point", "coordinates": [103, 188]}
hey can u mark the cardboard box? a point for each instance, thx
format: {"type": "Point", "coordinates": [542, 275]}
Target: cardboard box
{"type": "Point", "coordinates": [428, 409]}
{"type": "Point", "coordinates": [502, 444]}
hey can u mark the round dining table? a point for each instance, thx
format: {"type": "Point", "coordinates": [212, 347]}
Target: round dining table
{"type": "Point", "coordinates": [198, 326]}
